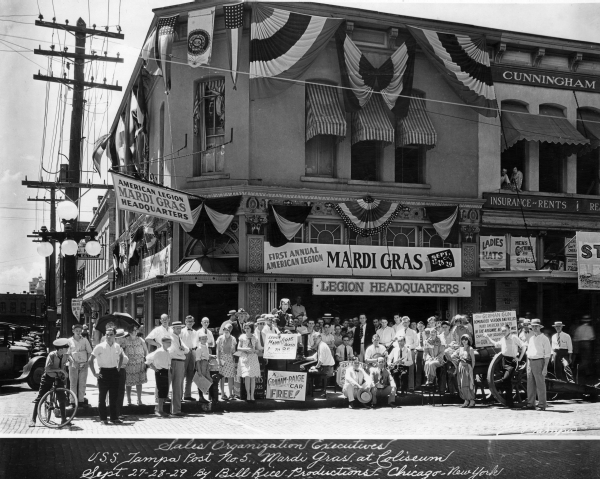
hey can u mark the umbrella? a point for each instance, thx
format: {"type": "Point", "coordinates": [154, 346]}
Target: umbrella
{"type": "Point", "coordinates": [121, 321]}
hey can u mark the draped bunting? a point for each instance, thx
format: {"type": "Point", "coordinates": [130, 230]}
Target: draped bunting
{"type": "Point", "coordinates": [464, 63]}
{"type": "Point", "coordinates": [324, 115]}
{"type": "Point", "coordinates": [284, 222]}
{"type": "Point", "coordinates": [444, 221]}
{"type": "Point", "coordinates": [368, 216]}
{"type": "Point", "coordinates": [283, 45]}
{"type": "Point", "coordinates": [212, 216]}
{"type": "Point", "coordinates": [360, 79]}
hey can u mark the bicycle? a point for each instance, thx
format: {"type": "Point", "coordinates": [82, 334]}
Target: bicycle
{"type": "Point", "coordinates": [49, 406]}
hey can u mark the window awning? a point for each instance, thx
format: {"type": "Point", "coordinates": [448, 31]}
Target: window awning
{"type": "Point", "coordinates": [520, 125]}
{"type": "Point", "coordinates": [324, 114]}
{"type": "Point", "coordinates": [372, 122]}
{"type": "Point", "coordinates": [588, 124]}
{"type": "Point", "coordinates": [204, 265]}
{"type": "Point", "coordinates": [94, 292]}
{"type": "Point", "coordinates": [416, 128]}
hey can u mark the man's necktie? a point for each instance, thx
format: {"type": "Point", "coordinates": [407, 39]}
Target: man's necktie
{"type": "Point", "coordinates": [205, 331]}
{"type": "Point", "coordinates": [345, 353]}
{"type": "Point", "coordinates": [260, 340]}
{"type": "Point", "coordinates": [558, 340]}
{"type": "Point", "coordinates": [189, 329]}
{"type": "Point", "coordinates": [360, 334]}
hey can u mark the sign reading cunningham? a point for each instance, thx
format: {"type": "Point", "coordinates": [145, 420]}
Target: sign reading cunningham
{"type": "Point", "coordinates": [548, 79]}
{"type": "Point", "coordinates": [351, 260]}
{"type": "Point", "coordinates": [150, 199]}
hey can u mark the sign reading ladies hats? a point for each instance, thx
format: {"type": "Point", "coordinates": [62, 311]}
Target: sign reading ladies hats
{"type": "Point", "coordinates": [289, 386]}
{"type": "Point", "coordinates": [588, 260]}
{"type": "Point", "coordinates": [150, 199]}
{"type": "Point", "coordinates": [522, 256]}
{"type": "Point", "coordinates": [492, 253]}
{"type": "Point", "coordinates": [356, 260]}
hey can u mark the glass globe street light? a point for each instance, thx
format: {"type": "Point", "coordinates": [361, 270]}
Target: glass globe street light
{"type": "Point", "coordinates": [67, 210]}
{"type": "Point", "coordinates": [93, 248]}
{"type": "Point", "coordinates": [69, 247]}
{"type": "Point", "coordinates": [45, 249]}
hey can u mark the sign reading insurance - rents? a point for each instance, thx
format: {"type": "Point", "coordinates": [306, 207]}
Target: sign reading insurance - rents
{"type": "Point", "coordinates": [150, 199]}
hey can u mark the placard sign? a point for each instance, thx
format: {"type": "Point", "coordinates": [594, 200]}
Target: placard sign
{"type": "Point", "coordinates": [380, 287]}
{"type": "Point", "coordinates": [492, 253]}
{"type": "Point", "coordinates": [588, 260]}
{"type": "Point", "coordinates": [522, 253]}
{"type": "Point", "coordinates": [289, 386]}
{"type": "Point", "coordinates": [158, 263]}
{"type": "Point", "coordinates": [151, 199]}
{"type": "Point", "coordinates": [76, 307]}
{"type": "Point", "coordinates": [281, 346]}
{"type": "Point", "coordinates": [491, 323]}
{"type": "Point", "coordinates": [570, 246]}
{"type": "Point", "coordinates": [360, 260]}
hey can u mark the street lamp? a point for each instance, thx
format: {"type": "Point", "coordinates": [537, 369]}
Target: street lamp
{"type": "Point", "coordinates": [67, 211]}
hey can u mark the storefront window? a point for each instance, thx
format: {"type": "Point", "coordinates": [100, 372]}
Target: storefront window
{"type": "Point", "coordinates": [400, 236]}
{"type": "Point", "coordinates": [432, 240]}
{"type": "Point", "coordinates": [325, 233]}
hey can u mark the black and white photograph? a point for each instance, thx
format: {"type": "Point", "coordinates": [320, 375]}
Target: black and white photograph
{"type": "Point", "coordinates": [309, 239]}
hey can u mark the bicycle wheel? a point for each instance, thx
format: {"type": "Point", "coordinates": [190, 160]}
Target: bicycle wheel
{"type": "Point", "coordinates": [49, 407]}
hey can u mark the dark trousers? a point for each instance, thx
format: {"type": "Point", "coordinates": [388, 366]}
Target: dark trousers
{"type": "Point", "coordinates": [419, 368]}
{"type": "Point", "coordinates": [508, 367]}
{"type": "Point", "coordinates": [45, 386]}
{"type": "Point", "coordinates": [559, 369]}
{"type": "Point", "coordinates": [121, 390]}
{"type": "Point", "coordinates": [108, 384]}
{"type": "Point", "coordinates": [401, 379]}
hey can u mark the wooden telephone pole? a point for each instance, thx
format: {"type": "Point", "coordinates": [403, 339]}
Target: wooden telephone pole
{"type": "Point", "coordinates": [78, 84]}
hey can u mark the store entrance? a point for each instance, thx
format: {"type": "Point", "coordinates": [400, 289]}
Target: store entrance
{"type": "Point", "coordinates": [212, 301]}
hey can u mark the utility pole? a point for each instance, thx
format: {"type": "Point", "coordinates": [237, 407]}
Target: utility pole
{"type": "Point", "coordinates": [69, 266]}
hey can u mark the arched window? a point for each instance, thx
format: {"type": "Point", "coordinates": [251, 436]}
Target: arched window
{"type": "Point", "coordinates": [209, 126]}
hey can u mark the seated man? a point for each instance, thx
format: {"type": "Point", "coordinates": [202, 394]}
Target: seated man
{"type": "Point", "coordinates": [434, 357]}
{"type": "Point", "coordinates": [383, 384]}
{"type": "Point", "coordinates": [344, 351]}
{"type": "Point", "coordinates": [399, 361]}
{"type": "Point", "coordinates": [356, 381]}
{"type": "Point", "coordinates": [325, 362]}
{"type": "Point", "coordinates": [375, 351]}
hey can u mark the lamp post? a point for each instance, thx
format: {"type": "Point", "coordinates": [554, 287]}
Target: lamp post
{"type": "Point", "coordinates": [69, 241]}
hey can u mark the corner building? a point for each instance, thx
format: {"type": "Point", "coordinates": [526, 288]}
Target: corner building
{"type": "Point", "coordinates": [304, 147]}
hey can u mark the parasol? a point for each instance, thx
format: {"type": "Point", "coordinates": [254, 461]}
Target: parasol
{"type": "Point", "coordinates": [121, 321]}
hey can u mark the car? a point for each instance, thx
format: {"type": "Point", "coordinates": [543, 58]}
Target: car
{"type": "Point", "coordinates": [18, 362]}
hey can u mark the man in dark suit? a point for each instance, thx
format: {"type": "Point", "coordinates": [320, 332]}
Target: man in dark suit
{"type": "Point", "coordinates": [363, 337]}
{"type": "Point", "coordinates": [384, 385]}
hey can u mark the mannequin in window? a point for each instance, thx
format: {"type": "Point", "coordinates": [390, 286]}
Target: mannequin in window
{"type": "Point", "coordinates": [504, 180]}
{"type": "Point", "coordinates": [516, 179]}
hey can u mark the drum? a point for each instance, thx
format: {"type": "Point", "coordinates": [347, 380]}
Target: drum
{"type": "Point", "coordinates": [340, 376]}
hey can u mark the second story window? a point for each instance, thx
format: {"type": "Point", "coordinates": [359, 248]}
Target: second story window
{"type": "Point", "coordinates": [588, 160]}
{"type": "Point", "coordinates": [209, 127]}
{"type": "Point", "coordinates": [325, 233]}
{"type": "Point", "coordinates": [325, 127]}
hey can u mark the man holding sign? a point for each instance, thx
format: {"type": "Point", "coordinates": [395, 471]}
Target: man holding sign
{"type": "Point", "coordinates": [509, 345]}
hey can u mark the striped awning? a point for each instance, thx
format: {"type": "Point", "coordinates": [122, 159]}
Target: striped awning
{"type": "Point", "coordinates": [324, 114]}
{"type": "Point", "coordinates": [416, 128]}
{"type": "Point", "coordinates": [372, 122]}
{"type": "Point", "coordinates": [588, 124]}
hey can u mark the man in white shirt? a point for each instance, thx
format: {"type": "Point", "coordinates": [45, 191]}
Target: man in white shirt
{"type": "Point", "coordinates": [355, 382]}
{"type": "Point", "coordinates": [538, 357]}
{"type": "Point", "coordinates": [189, 337]}
{"type": "Point", "coordinates": [525, 332]}
{"type": "Point", "coordinates": [79, 353]}
{"type": "Point", "coordinates": [562, 347]}
{"type": "Point", "coordinates": [399, 361]}
{"type": "Point", "coordinates": [160, 362]}
{"type": "Point", "coordinates": [344, 351]}
{"type": "Point", "coordinates": [386, 334]}
{"type": "Point", "coordinates": [512, 349]}
{"type": "Point", "coordinates": [411, 338]}
{"type": "Point", "coordinates": [325, 362]}
{"type": "Point", "coordinates": [327, 337]}
{"type": "Point", "coordinates": [178, 351]}
{"type": "Point", "coordinates": [109, 356]}
{"type": "Point", "coordinates": [310, 341]}
{"type": "Point", "coordinates": [156, 335]}
{"type": "Point", "coordinates": [397, 324]}
{"type": "Point", "coordinates": [204, 329]}
{"type": "Point", "coordinates": [375, 351]}
{"type": "Point", "coordinates": [298, 308]}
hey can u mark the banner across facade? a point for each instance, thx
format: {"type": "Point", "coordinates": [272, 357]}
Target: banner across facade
{"type": "Point", "coordinates": [351, 260]}
{"type": "Point", "coordinates": [380, 287]}
{"type": "Point", "coordinates": [150, 199]}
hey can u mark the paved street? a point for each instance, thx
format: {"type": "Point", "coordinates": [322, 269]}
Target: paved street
{"type": "Point", "coordinates": [565, 418]}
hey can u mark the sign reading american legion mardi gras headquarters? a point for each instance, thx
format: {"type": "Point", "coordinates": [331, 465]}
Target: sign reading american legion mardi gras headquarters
{"type": "Point", "coordinates": [351, 260]}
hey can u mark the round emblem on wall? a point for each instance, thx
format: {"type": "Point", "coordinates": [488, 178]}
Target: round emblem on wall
{"type": "Point", "coordinates": [198, 42]}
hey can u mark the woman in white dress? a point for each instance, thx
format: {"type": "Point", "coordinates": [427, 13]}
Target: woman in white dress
{"type": "Point", "coordinates": [248, 366]}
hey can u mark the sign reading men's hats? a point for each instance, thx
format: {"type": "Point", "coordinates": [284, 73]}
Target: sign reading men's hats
{"type": "Point", "coordinates": [150, 199]}
{"type": "Point", "coordinates": [588, 260]}
{"type": "Point", "coordinates": [200, 36]}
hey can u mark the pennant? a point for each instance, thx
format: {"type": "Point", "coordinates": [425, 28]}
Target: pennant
{"type": "Point", "coordinates": [368, 216]}
{"type": "Point", "coordinates": [163, 46]}
{"type": "Point", "coordinates": [464, 63]}
{"type": "Point", "coordinates": [285, 222]}
{"type": "Point", "coordinates": [200, 36]}
{"type": "Point", "coordinates": [121, 141]}
{"type": "Point", "coordinates": [283, 45]}
{"type": "Point", "coordinates": [234, 22]}
{"type": "Point", "coordinates": [360, 79]}
{"type": "Point", "coordinates": [149, 55]}
{"type": "Point", "coordinates": [111, 151]}
{"type": "Point", "coordinates": [99, 148]}
{"type": "Point", "coordinates": [116, 268]}
{"type": "Point", "coordinates": [444, 221]}
{"type": "Point", "coordinates": [138, 115]}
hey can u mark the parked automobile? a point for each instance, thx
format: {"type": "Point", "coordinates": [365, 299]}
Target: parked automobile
{"type": "Point", "coordinates": [18, 361]}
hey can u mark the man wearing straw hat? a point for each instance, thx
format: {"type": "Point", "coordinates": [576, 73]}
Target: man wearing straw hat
{"type": "Point", "coordinates": [356, 382]}
{"type": "Point", "coordinates": [562, 348]}
{"type": "Point", "coordinates": [538, 357]}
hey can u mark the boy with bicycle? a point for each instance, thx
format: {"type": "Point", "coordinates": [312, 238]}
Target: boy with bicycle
{"type": "Point", "coordinates": [55, 370]}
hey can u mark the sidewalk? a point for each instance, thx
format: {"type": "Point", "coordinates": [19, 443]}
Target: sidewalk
{"type": "Point", "coordinates": [335, 399]}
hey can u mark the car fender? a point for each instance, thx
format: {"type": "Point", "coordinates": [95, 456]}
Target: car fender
{"type": "Point", "coordinates": [31, 365]}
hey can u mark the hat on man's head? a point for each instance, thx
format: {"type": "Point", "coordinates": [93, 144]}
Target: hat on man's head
{"type": "Point", "coordinates": [76, 326]}
{"type": "Point", "coordinates": [177, 324]}
{"type": "Point", "coordinates": [261, 321]}
{"type": "Point", "coordinates": [536, 322]}
{"type": "Point", "coordinates": [121, 333]}
{"type": "Point", "coordinates": [586, 318]}
{"type": "Point", "coordinates": [232, 312]}
{"type": "Point", "coordinates": [526, 320]}
{"type": "Point", "coordinates": [166, 339]}
{"type": "Point", "coordinates": [557, 323]}
{"type": "Point", "coordinates": [241, 310]}
{"type": "Point", "coordinates": [365, 397]}
{"type": "Point", "coordinates": [61, 343]}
